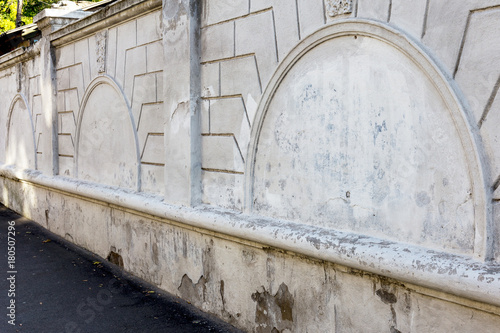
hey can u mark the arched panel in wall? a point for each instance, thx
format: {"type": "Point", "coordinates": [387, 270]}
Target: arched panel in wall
{"type": "Point", "coordinates": [106, 143]}
{"type": "Point", "coordinates": [20, 145]}
{"type": "Point", "coordinates": [360, 131]}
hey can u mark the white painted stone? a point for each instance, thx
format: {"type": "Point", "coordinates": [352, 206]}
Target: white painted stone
{"type": "Point", "coordinates": [221, 153]}
{"type": "Point", "coordinates": [66, 166]}
{"type": "Point", "coordinates": [154, 61]}
{"type": "Point", "coordinates": [67, 123]}
{"type": "Point", "coordinates": [60, 101]}
{"type": "Point", "coordinates": [210, 79]}
{"type": "Point", "coordinates": [263, 45]}
{"type": "Point", "coordinates": [144, 92]}
{"type": "Point", "coordinates": [205, 116]}
{"type": "Point", "coordinates": [126, 35]}
{"type": "Point", "coordinates": [217, 41]}
{"type": "Point", "coordinates": [39, 137]}
{"type": "Point", "coordinates": [223, 189]}
{"type": "Point", "coordinates": [66, 145]}
{"type": "Point", "coordinates": [285, 22]}
{"type": "Point", "coordinates": [62, 76]}
{"type": "Point", "coordinates": [342, 146]}
{"type": "Point", "coordinates": [311, 16]}
{"type": "Point", "coordinates": [159, 87]}
{"type": "Point", "coordinates": [409, 16]}
{"type": "Point", "coordinates": [71, 102]}
{"type": "Point", "coordinates": [496, 195]}
{"type": "Point", "coordinates": [34, 85]}
{"type": "Point", "coordinates": [444, 31]}
{"type": "Point", "coordinates": [149, 28]}
{"type": "Point", "coordinates": [154, 151]}
{"type": "Point", "coordinates": [76, 81]}
{"type": "Point", "coordinates": [431, 318]}
{"type": "Point", "coordinates": [94, 66]}
{"type": "Point", "coordinates": [227, 115]}
{"type": "Point", "coordinates": [105, 146]}
{"type": "Point", "coordinates": [110, 54]}
{"type": "Point", "coordinates": [479, 71]}
{"type": "Point", "coordinates": [135, 65]}
{"type": "Point", "coordinates": [20, 143]}
{"type": "Point", "coordinates": [240, 76]}
{"type": "Point", "coordinates": [491, 139]}
{"type": "Point", "coordinates": [36, 105]}
{"type": "Point", "coordinates": [258, 5]}
{"type": "Point", "coordinates": [152, 120]}
{"type": "Point", "coordinates": [82, 56]}
{"type": "Point", "coordinates": [496, 226]}
{"type": "Point", "coordinates": [65, 56]}
{"type": "Point", "coordinates": [221, 10]}
{"type": "Point", "coordinates": [152, 178]}
{"type": "Point", "coordinates": [38, 124]}
{"type": "Point", "coordinates": [374, 9]}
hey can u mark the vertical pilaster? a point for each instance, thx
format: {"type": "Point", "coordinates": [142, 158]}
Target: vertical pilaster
{"type": "Point", "coordinates": [182, 89]}
{"type": "Point", "coordinates": [49, 20]}
{"type": "Point", "coordinates": [48, 160]}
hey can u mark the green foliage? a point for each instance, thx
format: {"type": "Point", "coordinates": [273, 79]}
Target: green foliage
{"type": "Point", "coordinates": [33, 7]}
{"type": "Point", "coordinates": [8, 11]}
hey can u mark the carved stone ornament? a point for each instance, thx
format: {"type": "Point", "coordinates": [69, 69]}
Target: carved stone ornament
{"type": "Point", "coordinates": [100, 49]}
{"type": "Point", "coordinates": [338, 7]}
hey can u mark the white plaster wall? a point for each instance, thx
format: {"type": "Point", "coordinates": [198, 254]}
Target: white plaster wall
{"type": "Point", "coordinates": [20, 147]}
{"type": "Point", "coordinates": [357, 138]}
{"type": "Point", "coordinates": [21, 113]}
{"type": "Point", "coordinates": [131, 55]}
{"type": "Point", "coordinates": [257, 114]}
{"type": "Point", "coordinates": [253, 286]}
{"type": "Point", "coordinates": [451, 34]}
{"type": "Point", "coordinates": [8, 81]}
{"type": "Point", "coordinates": [106, 149]}
{"type": "Point", "coordinates": [439, 25]}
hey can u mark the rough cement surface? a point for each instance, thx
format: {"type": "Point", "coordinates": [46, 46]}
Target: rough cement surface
{"type": "Point", "coordinates": [62, 288]}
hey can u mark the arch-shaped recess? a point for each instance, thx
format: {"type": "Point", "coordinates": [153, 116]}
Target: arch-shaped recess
{"type": "Point", "coordinates": [360, 130]}
{"type": "Point", "coordinates": [106, 145]}
{"type": "Point", "coordinates": [20, 146]}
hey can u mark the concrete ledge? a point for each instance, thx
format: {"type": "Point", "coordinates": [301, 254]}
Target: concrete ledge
{"type": "Point", "coordinates": [116, 13]}
{"type": "Point", "coordinates": [454, 274]}
{"type": "Point", "coordinates": [19, 55]}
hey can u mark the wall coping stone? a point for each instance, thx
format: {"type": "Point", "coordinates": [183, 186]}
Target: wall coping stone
{"type": "Point", "coordinates": [115, 13]}
{"type": "Point", "coordinates": [21, 54]}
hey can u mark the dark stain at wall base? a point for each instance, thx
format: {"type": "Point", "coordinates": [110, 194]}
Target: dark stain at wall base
{"type": "Point", "coordinates": [273, 313]}
{"type": "Point", "coordinates": [386, 297]}
{"type": "Point", "coordinates": [115, 258]}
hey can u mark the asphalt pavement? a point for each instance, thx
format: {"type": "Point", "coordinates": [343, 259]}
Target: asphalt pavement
{"type": "Point", "coordinates": [52, 286]}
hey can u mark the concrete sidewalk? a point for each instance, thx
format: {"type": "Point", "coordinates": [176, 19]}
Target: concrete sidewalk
{"type": "Point", "coordinates": [55, 287]}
